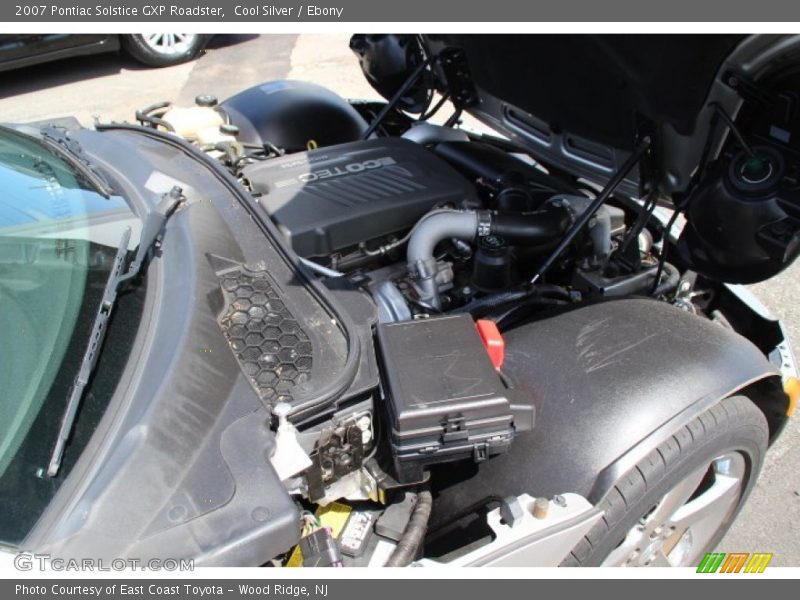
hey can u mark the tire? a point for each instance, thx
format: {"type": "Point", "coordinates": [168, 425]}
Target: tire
{"type": "Point", "coordinates": [693, 475]}
{"type": "Point", "coordinates": [162, 50]}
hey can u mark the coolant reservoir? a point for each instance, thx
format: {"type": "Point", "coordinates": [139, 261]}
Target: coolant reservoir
{"type": "Point", "coordinates": [200, 124]}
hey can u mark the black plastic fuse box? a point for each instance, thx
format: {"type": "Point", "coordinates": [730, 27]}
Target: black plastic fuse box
{"type": "Point", "coordinates": [445, 400]}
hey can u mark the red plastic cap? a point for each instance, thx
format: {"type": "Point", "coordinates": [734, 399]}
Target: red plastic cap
{"type": "Point", "coordinates": [493, 342]}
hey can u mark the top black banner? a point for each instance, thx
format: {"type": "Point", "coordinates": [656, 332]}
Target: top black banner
{"type": "Point", "coordinates": [360, 11]}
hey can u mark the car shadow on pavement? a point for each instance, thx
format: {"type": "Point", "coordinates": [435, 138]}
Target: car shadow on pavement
{"type": "Point", "coordinates": [71, 70]}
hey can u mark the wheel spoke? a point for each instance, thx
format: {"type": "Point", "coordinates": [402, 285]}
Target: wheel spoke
{"type": "Point", "coordinates": [659, 559]}
{"type": "Point", "coordinates": [714, 502]}
{"type": "Point", "coordinates": [169, 44]}
{"type": "Point", "coordinates": [675, 499]}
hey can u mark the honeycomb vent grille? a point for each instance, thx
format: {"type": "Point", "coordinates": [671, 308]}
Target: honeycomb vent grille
{"type": "Point", "coordinates": [272, 349]}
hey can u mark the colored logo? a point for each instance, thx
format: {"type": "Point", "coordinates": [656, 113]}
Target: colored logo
{"type": "Point", "coordinates": [734, 562]}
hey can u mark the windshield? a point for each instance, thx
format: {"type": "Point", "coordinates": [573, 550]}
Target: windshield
{"type": "Point", "coordinates": [58, 238]}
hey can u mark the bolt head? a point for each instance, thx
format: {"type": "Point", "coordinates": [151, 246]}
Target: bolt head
{"type": "Point", "coordinates": [540, 508]}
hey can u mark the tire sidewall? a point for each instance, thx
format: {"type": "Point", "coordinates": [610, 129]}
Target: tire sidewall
{"type": "Point", "coordinates": [746, 437]}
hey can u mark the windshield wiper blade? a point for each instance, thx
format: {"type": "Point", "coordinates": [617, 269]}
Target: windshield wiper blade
{"type": "Point", "coordinates": [90, 356]}
{"type": "Point", "coordinates": [152, 230]}
{"type": "Point", "coordinates": [57, 139]}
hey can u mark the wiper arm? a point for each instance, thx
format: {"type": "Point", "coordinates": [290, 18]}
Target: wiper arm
{"type": "Point", "coordinates": [152, 229]}
{"type": "Point", "coordinates": [90, 356]}
{"type": "Point", "coordinates": [151, 233]}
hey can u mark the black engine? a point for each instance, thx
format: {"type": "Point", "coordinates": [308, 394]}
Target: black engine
{"type": "Point", "coordinates": [428, 226]}
{"type": "Point", "coordinates": [328, 200]}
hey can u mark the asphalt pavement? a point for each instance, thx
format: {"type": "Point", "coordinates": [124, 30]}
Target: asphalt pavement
{"type": "Point", "coordinates": [111, 87]}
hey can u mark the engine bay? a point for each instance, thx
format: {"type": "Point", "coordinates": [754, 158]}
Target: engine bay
{"type": "Point", "coordinates": [442, 233]}
{"type": "Point", "coordinates": [453, 238]}
{"type": "Point", "coordinates": [496, 318]}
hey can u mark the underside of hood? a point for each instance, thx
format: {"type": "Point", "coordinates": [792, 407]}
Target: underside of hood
{"type": "Point", "coordinates": [606, 88]}
{"type": "Point", "coordinates": [581, 103]}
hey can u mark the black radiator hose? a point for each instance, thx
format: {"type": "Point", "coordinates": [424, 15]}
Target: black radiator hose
{"type": "Point", "coordinates": [670, 281]}
{"type": "Point", "coordinates": [482, 305]}
{"type": "Point", "coordinates": [538, 228]}
{"type": "Point", "coordinates": [414, 533]}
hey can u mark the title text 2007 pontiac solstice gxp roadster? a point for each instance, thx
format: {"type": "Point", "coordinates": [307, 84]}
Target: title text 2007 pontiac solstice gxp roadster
{"type": "Point", "coordinates": [288, 329]}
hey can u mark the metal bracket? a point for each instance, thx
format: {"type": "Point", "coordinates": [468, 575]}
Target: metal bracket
{"type": "Point", "coordinates": [747, 89]}
{"type": "Point", "coordinates": [528, 540]}
{"type": "Point", "coordinates": [458, 78]}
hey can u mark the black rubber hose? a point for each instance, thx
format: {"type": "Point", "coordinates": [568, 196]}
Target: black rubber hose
{"type": "Point", "coordinates": [672, 278]}
{"type": "Point", "coordinates": [145, 115]}
{"type": "Point", "coordinates": [537, 228]}
{"type": "Point", "coordinates": [411, 540]}
{"type": "Point", "coordinates": [612, 184]}
{"type": "Point", "coordinates": [487, 303]}
{"type": "Point", "coordinates": [493, 301]}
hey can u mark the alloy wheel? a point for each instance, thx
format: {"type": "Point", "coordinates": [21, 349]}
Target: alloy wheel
{"type": "Point", "coordinates": [679, 528]}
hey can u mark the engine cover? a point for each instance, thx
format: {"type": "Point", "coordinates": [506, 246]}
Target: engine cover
{"type": "Point", "coordinates": [329, 199]}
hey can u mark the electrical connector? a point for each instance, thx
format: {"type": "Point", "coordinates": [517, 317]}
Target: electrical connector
{"type": "Point", "coordinates": [320, 549]}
